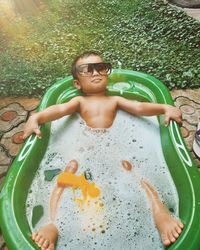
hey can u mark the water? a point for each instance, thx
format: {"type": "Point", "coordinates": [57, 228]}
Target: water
{"type": "Point", "coordinates": [121, 218]}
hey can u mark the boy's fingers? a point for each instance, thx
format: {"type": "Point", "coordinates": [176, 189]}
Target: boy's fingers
{"type": "Point", "coordinates": [24, 136]}
{"type": "Point", "coordinates": [38, 132]}
{"type": "Point", "coordinates": [21, 137]}
{"type": "Point", "coordinates": [180, 122]}
{"type": "Point", "coordinates": [167, 120]}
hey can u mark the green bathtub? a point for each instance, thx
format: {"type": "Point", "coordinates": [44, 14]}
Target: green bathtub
{"type": "Point", "coordinates": [132, 85]}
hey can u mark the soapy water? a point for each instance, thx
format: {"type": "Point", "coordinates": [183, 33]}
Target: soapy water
{"type": "Point", "coordinates": [121, 217]}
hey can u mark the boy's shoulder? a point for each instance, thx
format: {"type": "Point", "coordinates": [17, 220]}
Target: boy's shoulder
{"type": "Point", "coordinates": [78, 98]}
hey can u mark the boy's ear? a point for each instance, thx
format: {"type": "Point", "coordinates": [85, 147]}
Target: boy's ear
{"type": "Point", "coordinates": [77, 84]}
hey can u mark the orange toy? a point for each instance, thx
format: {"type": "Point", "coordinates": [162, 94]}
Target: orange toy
{"type": "Point", "coordinates": [66, 179]}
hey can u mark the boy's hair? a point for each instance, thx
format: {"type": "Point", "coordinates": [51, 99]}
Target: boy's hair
{"type": "Point", "coordinates": [83, 55]}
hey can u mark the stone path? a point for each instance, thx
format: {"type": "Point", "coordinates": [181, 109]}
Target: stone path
{"type": "Point", "coordinates": [195, 13]}
{"type": "Point", "coordinates": [15, 111]}
{"type": "Point", "coordinates": [186, 3]}
{"type": "Point", "coordinates": [192, 12]}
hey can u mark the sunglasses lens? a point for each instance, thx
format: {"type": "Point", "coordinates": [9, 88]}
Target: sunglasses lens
{"type": "Point", "coordinates": [90, 68]}
{"type": "Point", "coordinates": [83, 69]}
{"type": "Point", "coordinates": [103, 68]}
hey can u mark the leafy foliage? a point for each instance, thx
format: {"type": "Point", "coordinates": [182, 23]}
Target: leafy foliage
{"type": "Point", "coordinates": [148, 36]}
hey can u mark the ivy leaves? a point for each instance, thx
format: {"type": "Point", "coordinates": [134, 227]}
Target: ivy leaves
{"type": "Point", "coordinates": [149, 36]}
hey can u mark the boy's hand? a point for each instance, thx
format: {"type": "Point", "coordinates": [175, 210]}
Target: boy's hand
{"type": "Point", "coordinates": [32, 127]}
{"type": "Point", "coordinates": [172, 113]}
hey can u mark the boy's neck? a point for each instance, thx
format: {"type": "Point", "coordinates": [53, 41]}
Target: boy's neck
{"type": "Point", "coordinates": [96, 94]}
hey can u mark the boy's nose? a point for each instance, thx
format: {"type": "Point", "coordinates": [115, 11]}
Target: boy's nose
{"type": "Point", "coordinates": [95, 72]}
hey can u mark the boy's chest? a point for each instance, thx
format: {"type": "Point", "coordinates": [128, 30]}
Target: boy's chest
{"type": "Point", "coordinates": [94, 107]}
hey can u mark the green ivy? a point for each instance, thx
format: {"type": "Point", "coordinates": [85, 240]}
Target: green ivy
{"type": "Point", "coordinates": [149, 36]}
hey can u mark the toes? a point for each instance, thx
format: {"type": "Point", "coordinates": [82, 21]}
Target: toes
{"type": "Point", "coordinates": [178, 229]}
{"type": "Point", "coordinates": [34, 234]}
{"type": "Point", "coordinates": [175, 234]}
{"type": "Point", "coordinates": [180, 224]}
{"type": "Point", "coordinates": [165, 240]}
{"type": "Point", "coordinates": [45, 245]}
{"type": "Point", "coordinates": [171, 237]}
{"type": "Point", "coordinates": [51, 247]}
{"type": "Point", "coordinates": [41, 241]}
{"type": "Point", "coordinates": [37, 238]}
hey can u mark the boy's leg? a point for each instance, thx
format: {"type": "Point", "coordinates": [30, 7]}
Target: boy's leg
{"type": "Point", "coordinates": [46, 236]}
{"type": "Point", "coordinates": [71, 167]}
{"type": "Point", "coordinates": [169, 227]}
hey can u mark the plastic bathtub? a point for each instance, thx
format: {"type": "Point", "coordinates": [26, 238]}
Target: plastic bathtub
{"type": "Point", "coordinates": [129, 84]}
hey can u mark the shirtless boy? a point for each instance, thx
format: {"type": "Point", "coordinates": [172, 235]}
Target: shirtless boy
{"type": "Point", "coordinates": [98, 111]}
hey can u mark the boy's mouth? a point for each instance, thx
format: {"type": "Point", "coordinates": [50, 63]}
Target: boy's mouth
{"type": "Point", "coordinates": [96, 80]}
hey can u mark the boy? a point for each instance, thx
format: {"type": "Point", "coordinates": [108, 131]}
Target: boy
{"type": "Point", "coordinates": [98, 111]}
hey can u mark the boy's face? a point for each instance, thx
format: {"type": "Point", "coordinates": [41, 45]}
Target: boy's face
{"type": "Point", "coordinates": [93, 83]}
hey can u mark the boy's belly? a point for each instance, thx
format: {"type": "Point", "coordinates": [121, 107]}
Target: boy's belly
{"type": "Point", "coordinates": [104, 120]}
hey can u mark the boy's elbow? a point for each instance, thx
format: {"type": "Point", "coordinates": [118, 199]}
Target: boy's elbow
{"type": "Point", "coordinates": [62, 110]}
{"type": "Point", "coordinates": [138, 110]}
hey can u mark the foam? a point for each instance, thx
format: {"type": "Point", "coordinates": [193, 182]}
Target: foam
{"type": "Point", "coordinates": [124, 221]}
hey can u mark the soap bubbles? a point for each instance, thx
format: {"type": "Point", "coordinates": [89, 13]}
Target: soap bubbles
{"type": "Point", "coordinates": [121, 218]}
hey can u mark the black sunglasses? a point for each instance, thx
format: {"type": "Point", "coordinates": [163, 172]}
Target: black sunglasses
{"type": "Point", "coordinates": [88, 69]}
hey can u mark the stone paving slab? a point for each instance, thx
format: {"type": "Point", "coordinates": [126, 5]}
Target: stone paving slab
{"type": "Point", "coordinates": [15, 111]}
{"type": "Point", "coordinates": [28, 103]}
{"type": "Point", "coordinates": [11, 116]}
{"type": "Point", "coordinates": [192, 12]}
{"type": "Point", "coordinates": [195, 13]}
{"type": "Point", "coordinates": [186, 3]}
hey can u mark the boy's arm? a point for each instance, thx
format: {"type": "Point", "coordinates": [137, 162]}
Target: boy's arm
{"type": "Point", "coordinates": [49, 114]}
{"type": "Point", "coordinates": [150, 109]}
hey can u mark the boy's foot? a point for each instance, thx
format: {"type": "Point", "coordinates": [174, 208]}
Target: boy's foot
{"type": "Point", "coordinates": [169, 227]}
{"type": "Point", "coordinates": [46, 237]}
